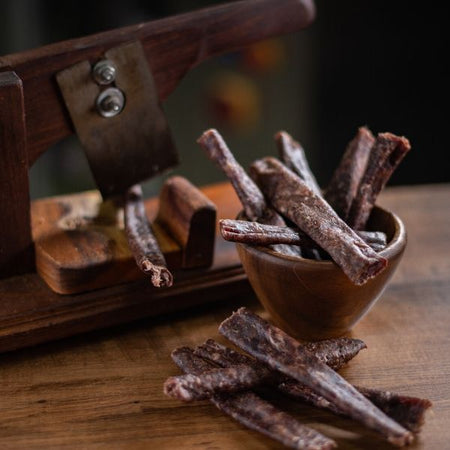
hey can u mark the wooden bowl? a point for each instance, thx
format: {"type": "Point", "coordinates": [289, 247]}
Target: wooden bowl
{"type": "Point", "coordinates": [314, 299]}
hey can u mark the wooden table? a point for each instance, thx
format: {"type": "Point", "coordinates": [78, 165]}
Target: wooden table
{"type": "Point", "coordinates": [104, 389]}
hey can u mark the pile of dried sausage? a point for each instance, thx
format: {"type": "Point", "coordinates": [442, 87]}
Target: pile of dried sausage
{"type": "Point", "coordinates": [330, 224]}
{"type": "Point", "coordinates": [304, 371]}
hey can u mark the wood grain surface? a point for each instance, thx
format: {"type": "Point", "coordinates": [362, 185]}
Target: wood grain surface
{"type": "Point", "coordinates": [31, 313]}
{"type": "Point", "coordinates": [104, 389]}
{"type": "Point", "coordinates": [80, 242]}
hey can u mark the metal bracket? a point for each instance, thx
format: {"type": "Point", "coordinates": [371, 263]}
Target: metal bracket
{"type": "Point", "coordinates": [126, 140]}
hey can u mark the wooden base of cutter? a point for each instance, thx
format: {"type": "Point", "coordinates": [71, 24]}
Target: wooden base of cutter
{"type": "Point", "coordinates": [31, 313]}
{"type": "Point", "coordinates": [80, 242]}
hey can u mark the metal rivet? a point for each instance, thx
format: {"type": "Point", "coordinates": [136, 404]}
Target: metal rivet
{"type": "Point", "coordinates": [110, 102]}
{"type": "Point", "coordinates": [104, 72]}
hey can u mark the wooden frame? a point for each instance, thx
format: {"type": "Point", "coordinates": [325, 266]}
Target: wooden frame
{"type": "Point", "coordinates": [173, 46]}
{"type": "Point", "coordinates": [33, 117]}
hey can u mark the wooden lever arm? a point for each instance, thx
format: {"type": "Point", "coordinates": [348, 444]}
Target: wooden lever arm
{"type": "Point", "coordinates": [172, 46]}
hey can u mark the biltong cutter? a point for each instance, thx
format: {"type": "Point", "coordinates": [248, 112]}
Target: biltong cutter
{"type": "Point", "coordinates": [108, 88]}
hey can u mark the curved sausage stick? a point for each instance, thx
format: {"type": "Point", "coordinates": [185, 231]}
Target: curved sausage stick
{"type": "Point", "coordinates": [291, 197]}
{"type": "Point", "coordinates": [252, 411]}
{"type": "Point", "coordinates": [249, 194]}
{"type": "Point", "coordinates": [281, 352]}
{"type": "Point", "coordinates": [142, 241]}
{"type": "Point", "coordinates": [251, 197]}
{"type": "Point", "coordinates": [293, 156]}
{"type": "Point", "coordinates": [342, 189]}
{"type": "Point", "coordinates": [407, 411]}
{"type": "Point", "coordinates": [386, 154]}
{"type": "Point", "coordinates": [240, 372]}
{"type": "Point", "coordinates": [261, 234]}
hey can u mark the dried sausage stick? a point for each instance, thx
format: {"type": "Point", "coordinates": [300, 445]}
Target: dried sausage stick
{"type": "Point", "coordinates": [281, 352]}
{"type": "Point", "coordinates": [251, 197]}
{"type": "Point", "coordinates": [235, 378]}
{"type": "Point", "coordinates": [335, 353]}
{"type": "Point", "coordinates": [341, 191]}
{"type": "Point", "coordinates": [261, 234]}
{"type": "Point", "coordinates": [254, 412]}
{"type": "Point", "coordinates": [375, 239]}
{"type": "Point", "coordinates": [293, 156]}
{"type": "Point", "coordinates": [142, 241]}
{"type": "Point", "coordinates": [248, 373]}
{"type": "Point", "coordinates": [249, 194]}
{"type": "Point", "coordinates": [407, 411]}
{"type": "Point", "coordinates": [385, 156]}
{"type": "Point", "coordinates": [290, 196]}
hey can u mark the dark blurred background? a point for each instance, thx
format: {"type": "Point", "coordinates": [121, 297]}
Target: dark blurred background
{"type": "Point", "coordinates": [379, 64]}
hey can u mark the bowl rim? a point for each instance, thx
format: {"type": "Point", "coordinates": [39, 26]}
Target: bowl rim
{"type": "Point", "coordinates": [394, 246]}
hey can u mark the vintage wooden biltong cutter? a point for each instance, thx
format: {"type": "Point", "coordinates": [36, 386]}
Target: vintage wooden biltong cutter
{"type": "Point", "coordinates": [107, 88]}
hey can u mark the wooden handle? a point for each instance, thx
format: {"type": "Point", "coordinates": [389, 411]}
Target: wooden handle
{"type": "Point", "coordinates": [173, 46]}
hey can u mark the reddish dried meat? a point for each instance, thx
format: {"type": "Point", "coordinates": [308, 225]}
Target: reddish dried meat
{"type": "Point", "coordinates": [386, 154]}
{"type": "Point", "coordinates": [333, 352]}
{"type": "Point", "coordinates": [290, 196]}
{"type": "Point", "coordinates": [252, 199]}
{"type": "Point", "coordinates": [142, 241]}
{"type": "Point", "coordinates": [375, 239]}
{"type": "Point", "coordinates": [198, 387]}
{"type": "Point", "coordinates": [341, 190]}
{"type": "Point", "coordinates": [407, 411]}
{"type": "Point", "coordinates": [281, 352]}
{"type": "Point", "coordinates": [293, 156]}
{"type": "Point", "coordinates": [261, 234]}
{"type": "Point", "coordinates": [254, 412]}
{"type": "Point", "coordinates": [249, 373]}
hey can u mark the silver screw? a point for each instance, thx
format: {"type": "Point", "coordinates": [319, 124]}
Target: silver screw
{"type": "Point", "coordinates": [104, 72]}
{"type": "Point", "coordinates": [110, 102]}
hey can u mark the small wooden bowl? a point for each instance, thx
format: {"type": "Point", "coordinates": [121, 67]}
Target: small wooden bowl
{"type": "Point", "coordinates": [314, 299]}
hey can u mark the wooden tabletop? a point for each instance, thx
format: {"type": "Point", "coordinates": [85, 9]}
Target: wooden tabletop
{"type": "Point", "coordinates": [104, 389]}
